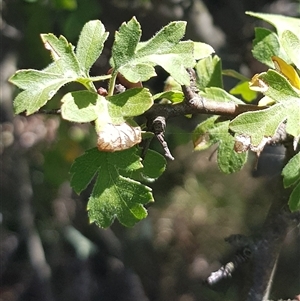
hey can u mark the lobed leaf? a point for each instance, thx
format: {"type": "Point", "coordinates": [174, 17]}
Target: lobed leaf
{"type": "Point", "coordinates": [212, 131]}
{"type": "Point", "coordinates": [39, 86]}
{"type": "Point", "coordinates": [259, 124]}
{"type": "Point", "coordinates": [63, 55]}
{"type": "Point", "coordinates": [90, 44]}
{"type": "Point", "coordinates": [136, 61]}
{"type": "Point", "coordinates": [278, 87]}
{"type": "Point", "coordinates": [114, 195]}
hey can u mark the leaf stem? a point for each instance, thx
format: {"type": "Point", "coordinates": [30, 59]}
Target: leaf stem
{"type": "Point", "coordinates": [112, 83]}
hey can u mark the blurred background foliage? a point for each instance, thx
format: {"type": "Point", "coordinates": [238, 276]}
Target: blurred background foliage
{"type": "Point", "coordinates": [48, 249]}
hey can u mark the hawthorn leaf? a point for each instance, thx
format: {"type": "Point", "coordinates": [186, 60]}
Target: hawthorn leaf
{"type": "Point", "coordinates": [264, 123]}
{"type": "Point", "coordinates": [279, 87]}
{"type": "Point", "coordinates": [173, 96]}
{"type": "Point", "coordinates": [202, 50]}
{"type": "Point", "coordinates": [126, 40]}
{"type": "Point", "coordinates": [135, 60]}
{"type": "Point", "coordinates": [209, 71]}
{"type": "Point", "coordinates": [281, 23]}
{"type": "Point", "coordinates": [201, 136]}
{"type": "Point", "coordinates": [39, 86]}
{"type": "Point", "coordinates": [62, 53]}
{"type": "Point", "coordinates": [291, 171]}
{"type": "Point", "coordinates": [242, 88]}
{"type": "Point", "coordinates": [230, 161]}
{"type": "Point", "coordinates": [90, 44]}
{"type": "Point", "coordinates": [259, 124]}
{"type": "Point", "coordinates": [84, 106]}
{"type": "Point", "coordinates": [114, 195]}
{"type": "Point", "coordinates": [212, 131]}
{"type": "Point", "coordinates": [294, 200]}
{"type": "Point", "coordinates": [154, 164]}
{"type": "Point", "coordinates": [291, 44]}
{"type": "Point", "coordinates": [132, 102]}
{"type": "Point", "coordinates": [265, 45]}
{"type": "Point", "coordinates": [218, 94]}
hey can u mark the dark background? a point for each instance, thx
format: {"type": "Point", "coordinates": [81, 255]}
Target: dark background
{"type": "Point", "coordinates": [48, 249]}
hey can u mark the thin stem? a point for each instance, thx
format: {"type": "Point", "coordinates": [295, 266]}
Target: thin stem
{"type": "Point", "coordinates": [112, 83]}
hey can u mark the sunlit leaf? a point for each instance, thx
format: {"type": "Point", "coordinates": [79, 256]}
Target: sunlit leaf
{"type": "Point", "coordinates": [209, 71]}
{"type": "Point", "coordinates": [291, 44]}
{"type": "Point", "coordinates": [265, 45]}
{"type": "Point", "coordinates": [218, 94]}
{"type": "Point", "coordinates": [243, 89]}
{"type": "Point", "coordinates": [202, 50]}
{"type": "Point", "coordinates": [90, 44]}
{"type": "Point", "coordinates": [281, 23]}
{"type": "Point", "coordinates": [39, 86]}
{"type": "Point", "coordinates": [113, 195]}
{"type": "Point", "coordinates": [135, 60]}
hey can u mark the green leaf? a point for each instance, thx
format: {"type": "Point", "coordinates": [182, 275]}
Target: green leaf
{"type": "Point", "coordinates": [126, 40]}
{"type": "Point", "coordinates": [294, 200]}
{"type": "Point", "coordinates": [259, 124]}
{"type": "Point", "coordinates": [154, 164]}
{"type": "Point", "coordinates": [136, 61]}
{"type": "Point", "coordinates": [202, 50]}
{"type": "Point", "coordinates": [230, 161]}
{"type": "Point", "coordinates": [209, 71]}
{"type": "Point", "coordinates": [291, 171]}
{"type": "Point", "coordinates": [218, 94]}
{"type": "Point", "coordinates": [281, 23]}
{"type": "Point", "coordinates": [265, 45]}
{"type": "Point", "coordinates": [279, 88]}
{"type": "Point", "coordinates": [173, 96]}
{"type": "Point", "coordinates": [114, 195]}
{"type": "Point", "coordinates": [291, 44]}
{"type": "Point", "coordinates": [243, 89]}
{"type": "Point", "coordinates": [90, 44]}
{"type": "Point", "coordinates": [264, 123]}
{"type": "Point", "coordinates": [84, 106]}
{"type": "Point", "coordinates": [213, 131]}
{"type": "Point", "coordinates": [62, 53]}
{"type": "Point", "coordinates": [132, 102]}
{"type": "Point", "coordinates": [39, 86]}
{"type": "Point", "coordinates": [282, 91]}
{"type": "Point", "coordinates": [201, 135]}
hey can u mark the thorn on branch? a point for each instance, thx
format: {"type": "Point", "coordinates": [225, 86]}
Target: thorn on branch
{"type": "Point", "coordinates": [158, 126]}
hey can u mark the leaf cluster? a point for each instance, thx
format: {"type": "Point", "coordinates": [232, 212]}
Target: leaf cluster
{"type": "Point", "coordinates": [117, 163]}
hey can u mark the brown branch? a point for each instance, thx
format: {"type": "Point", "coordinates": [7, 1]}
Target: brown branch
{"type": "Point", "coordinates": [195, 104]}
